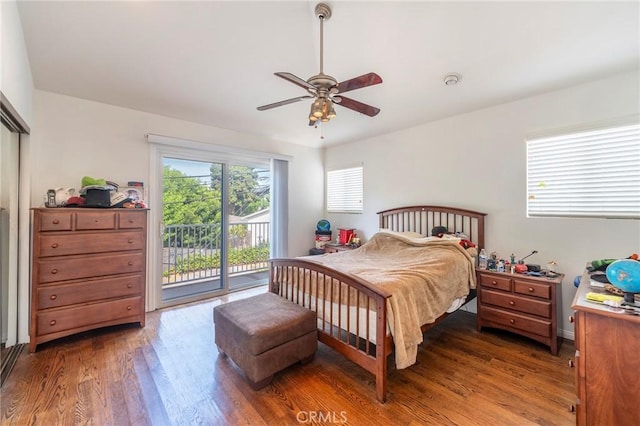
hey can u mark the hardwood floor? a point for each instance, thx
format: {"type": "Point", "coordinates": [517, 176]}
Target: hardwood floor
{"type": "Point", "coordinates": [169, 373]}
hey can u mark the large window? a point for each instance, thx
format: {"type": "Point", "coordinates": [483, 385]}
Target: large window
{"type": "Point", "coordinates": [594, 173]}
{"type": "Point", "coordinates": [344, 190]}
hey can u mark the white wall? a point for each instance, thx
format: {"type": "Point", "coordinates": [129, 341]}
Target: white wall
{"type": "Point", "coordinates": [74, 137]}
{"type": "Point", "coordinates": [16, 82]}
{"type": "Point", "coordinates": [477, 161]}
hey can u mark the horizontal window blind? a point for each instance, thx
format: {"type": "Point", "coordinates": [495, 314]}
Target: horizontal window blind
{"type": "Point", "coordinates": [345, 190]}
{"type": "Point", "coordinates": [592, 173]}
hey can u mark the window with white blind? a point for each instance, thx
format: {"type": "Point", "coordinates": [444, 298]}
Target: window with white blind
{"type": "Point", "coordinates": [345, 190]}
{"type": "Point", "coordinates": [594, 173]}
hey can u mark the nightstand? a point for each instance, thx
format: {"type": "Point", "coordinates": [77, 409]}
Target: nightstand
{"type": "Point", "coordinates": [521, 304]}
{"type": "Point", "coordinates": [333, 248]}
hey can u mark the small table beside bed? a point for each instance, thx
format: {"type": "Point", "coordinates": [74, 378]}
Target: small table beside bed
{"type": "Point", "coordinates": [388, 292]}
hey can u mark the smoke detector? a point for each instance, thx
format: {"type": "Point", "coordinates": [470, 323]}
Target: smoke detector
{"type": "Point", "coordinates": [452, 78]}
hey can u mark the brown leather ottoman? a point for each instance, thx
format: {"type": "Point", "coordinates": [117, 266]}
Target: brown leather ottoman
{"type": "Point", "coordinates": [265, 334]}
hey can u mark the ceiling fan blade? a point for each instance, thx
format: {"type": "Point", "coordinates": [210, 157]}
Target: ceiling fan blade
{"type": "Point", "coordinates": [359, 82]}
{"type": "Point", "coordinates": [295, 80]}
{"type": "Point", "coordinates": [357, 106]}
{"type": "Point", "coordinates": [285, 102]}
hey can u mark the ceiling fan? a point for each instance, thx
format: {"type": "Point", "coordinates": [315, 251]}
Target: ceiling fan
{"type": "Point", "coordinates": [325, 89]}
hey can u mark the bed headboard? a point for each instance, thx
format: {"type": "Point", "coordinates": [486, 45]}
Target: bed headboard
{"type": "Point", "coordinates": [422, 219]}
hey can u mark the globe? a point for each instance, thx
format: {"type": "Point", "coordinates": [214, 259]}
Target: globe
{"type": "Point", "coordinates": [625, 274]}
{"type": "Point", "coordinates": [323, 225]}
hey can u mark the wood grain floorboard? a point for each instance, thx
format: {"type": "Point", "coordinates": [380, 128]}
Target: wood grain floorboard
{"type": "Point", "coordinates": [170, 373]}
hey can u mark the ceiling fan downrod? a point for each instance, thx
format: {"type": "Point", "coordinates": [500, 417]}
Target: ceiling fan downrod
{"type": "Point", "coordinates": [323, 12]}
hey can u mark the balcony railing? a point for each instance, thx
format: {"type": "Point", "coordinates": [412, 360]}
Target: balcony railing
{"type": "Point", "coordinates": [193, 252]}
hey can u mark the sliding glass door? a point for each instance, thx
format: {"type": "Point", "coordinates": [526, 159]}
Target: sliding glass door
{"type": "Point", "coordinates": [215, 225]}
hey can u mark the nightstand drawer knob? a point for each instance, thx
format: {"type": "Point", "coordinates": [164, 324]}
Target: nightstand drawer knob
{"type": "Point", "coordinates": [494, 282]}
{"type": "Point", "coordinates": [130, 220]}
{"type": "Point", "coordinates": [130, 263]}
{"type": "Point", "coordinates": [54, 245]}
{"type": "Point", "coordinates": [512, 321]}
{"type": "Point", "coordinates": [129, 285]}
{"type": "Point", "coordinates": [52, 322]}
{"type": "Point", "coordinates": [129, 308]}
{"type": "Point", "coordinates": [56, 221]}
{"type": "Point", "coordinates": [531, 290]}
{"type": "Point", "coordinates": [512, 303]}
{"type": "Point", "coordinates": [53, 297]}
{"type": "Point", "coordinates": [54, 271]}
{"type": "Point", "coordinates": [130, 241]}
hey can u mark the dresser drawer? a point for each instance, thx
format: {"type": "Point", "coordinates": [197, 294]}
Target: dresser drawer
{"type": "Point", "coordinates": [131, 219]}
{"type": "Point", "coordinates": [490, 281]}
{"type": "Point", "coordinates": [517, 303]}
{"type": "Point", "coordinates": [88, 291]}
{"type": "Point", "coordinates": [517, 321]}
{"type": "Point", "coordinates": [529, 288]}
{"type": "Point", "coordinates": [96, 220]}
{"type": "Point", "coordinates": [77, 317]}
{"type": "Point", "coordinates": [55, 220]}
{"type": "Point", "coordinates": [65, 244]}
{"type": "Point", "coordinates": [61, 269]}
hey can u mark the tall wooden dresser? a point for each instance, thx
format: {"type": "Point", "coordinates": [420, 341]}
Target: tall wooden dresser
{"type": "Point", "coordinates": [607, 362]}
{"type": "Point", "coordinates": [89, 270]}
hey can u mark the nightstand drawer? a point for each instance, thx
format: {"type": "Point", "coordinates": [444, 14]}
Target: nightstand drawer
{"type": "Point", "coordinates": [517, 303]}
{"type": "Point", "coordinates": [490, 281]}
{"type": "Point", "coordinates": [532, 289]}
{"type": "Point", "coordinates": [517, 321]}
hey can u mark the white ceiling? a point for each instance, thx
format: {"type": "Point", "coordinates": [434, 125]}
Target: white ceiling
{"type": "Point", "coordinates": [213, 62]}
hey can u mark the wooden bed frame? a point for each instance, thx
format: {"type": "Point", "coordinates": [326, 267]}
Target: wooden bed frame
{"type": "Point", "coordinates": [291, 279]}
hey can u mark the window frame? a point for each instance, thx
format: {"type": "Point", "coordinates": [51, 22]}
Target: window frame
{"type": "Point", "coordinates": [353, 204]}
{"type": "Point", "coordinates": [574, 192]}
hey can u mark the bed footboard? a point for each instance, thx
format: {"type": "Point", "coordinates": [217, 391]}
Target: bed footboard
{"type": "Point", "coordinates": [351, 313]}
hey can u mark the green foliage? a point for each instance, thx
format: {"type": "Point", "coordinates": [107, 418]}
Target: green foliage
{"type": "Point", "coordinates": [186, 201]}
{"type": "Point", "coordinates": [246, 194]}
{"type": "Point", "coordinates": [237, 257]}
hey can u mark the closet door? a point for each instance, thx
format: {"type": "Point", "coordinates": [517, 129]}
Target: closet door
{"type": "Point", "coordinates": [9, 160]}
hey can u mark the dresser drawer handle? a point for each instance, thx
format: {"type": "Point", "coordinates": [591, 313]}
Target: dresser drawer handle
{"type": "Point", "coordinates": [512, 303]}
{"type": "Point", "coordinates": [571, 363]}
{"type": "Point", "coordinates": [531, 290]}
{"type": "Point", "coordinates": [512, 321]}
{"type": "Point", "coordinates": [130, 241]}
{"type": "Point", "coordinates": [53, 297]}
{"type": "Point", "coordinates": [129, 285]}
{"type": "Point", "coordinates": [54, 271]}
{"type": "Point", "coordinates": [130, 263]}
{"type": "Point", "coordinates": [52, 322]}
{"type": "Point", "coordinates": [55, 221]}
{"type": "Point", "coordinates": [54, 245]}
{"type": "Point", "coordinates": [494, 282]}
{"type": "Point", "coordinates": [129, 308]}
{"type": "Point", "coordinates": [130, 220]}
